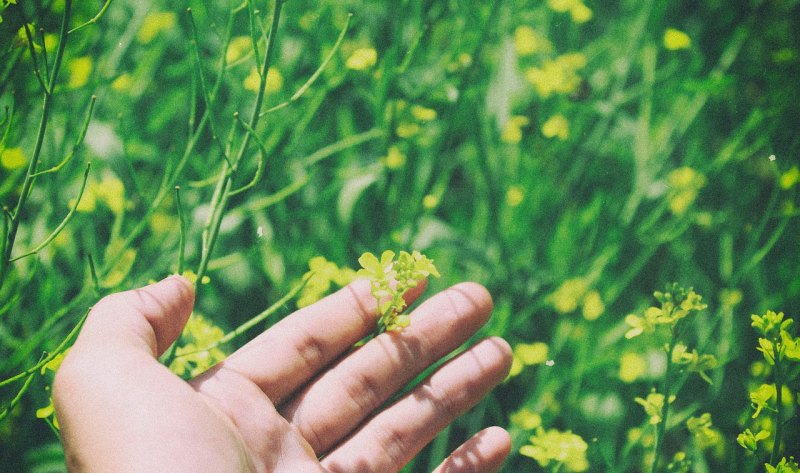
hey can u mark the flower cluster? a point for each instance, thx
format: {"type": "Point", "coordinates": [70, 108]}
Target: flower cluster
{"type": "Point", "coordinates": [389, 279]}
{"type": "Point", "coordinates": [565, 449]}
{"type": "Point", "coordinates": [322, 275]}
{"type": "Point", "coordinates": [200, 350]}
{"type": "Point", "coordinates": [778, 346]}
{"type": "Point", "coordinates": [676, 304]}
{"type": "Point", "coordinates": [574, 293]}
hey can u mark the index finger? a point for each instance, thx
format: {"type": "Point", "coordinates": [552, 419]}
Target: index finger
{"type": "Point", "coordinates": [286, 356]}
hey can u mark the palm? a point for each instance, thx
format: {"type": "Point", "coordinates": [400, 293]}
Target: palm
{"type": "Point", "coordinates": [295, 393]}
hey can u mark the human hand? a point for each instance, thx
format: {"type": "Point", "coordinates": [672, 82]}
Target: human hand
{"type": "Point", "coordinates": [296, 393]}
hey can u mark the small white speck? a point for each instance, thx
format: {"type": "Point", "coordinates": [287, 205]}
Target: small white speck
{"type": "Point", "coordinates": [772, 157]}
{"type": "Point", "coordinates": [260, 231]}
{"type": "Point", "coordinates": [550, 362]}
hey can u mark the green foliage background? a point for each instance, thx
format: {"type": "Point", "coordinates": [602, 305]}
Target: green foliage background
{"type": "Point", "coordinates": [522, 215]}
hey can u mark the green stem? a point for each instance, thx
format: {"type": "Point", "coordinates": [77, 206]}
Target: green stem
{"type": "Point", "coordinates": [218, 209]}
{"type": "Point", "coordinates": [29, 179]}
{"type": "Point", "coordinates": [661, 428]}
{"type": "Point", "coordinates": [776, 447]}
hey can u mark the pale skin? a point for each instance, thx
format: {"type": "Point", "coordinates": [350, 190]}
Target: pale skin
{"type": "Point", "coordinates": [298, 398]}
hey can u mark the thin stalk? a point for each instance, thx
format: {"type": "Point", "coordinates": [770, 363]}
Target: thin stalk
{"type": "Point", "coordinates": [46, 106]}
{"type": "Point", "coordinates": [302, 90]}
{"type": "Point", "coordinates": [212, 230]}
{"type": "Point", "coordinates": [776, 447]}
{"type": "Point", "coordinates": [63, 223]}
{"type": "Point", "coordinates": [182, 223]}
{"type": "Point", "coordinates": [94, 19]}
{"type": "Point", "coordinates": [60, 348]}
{"type": "Point", "coordinates": [661, 428]}
{"type": "Point", "coordinates": [78, 142]}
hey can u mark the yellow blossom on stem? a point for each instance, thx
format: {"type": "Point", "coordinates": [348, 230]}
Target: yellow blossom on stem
{"type": "Point", "coordinates": [556, 447]}
{"type": "Point", "coordinates": [676, 39]}
{"type": "Point", "coordinates": [12, 158]}
{"type": "Point", "coordinates": [155, 23]}
{"type": "Point", "coordinates": [556, 126]}
{"type": "Point", "coordinates": [362, 59]}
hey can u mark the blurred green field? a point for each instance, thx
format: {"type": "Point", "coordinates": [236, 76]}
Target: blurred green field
{"type": "Point", "coordinates": [572, 156]}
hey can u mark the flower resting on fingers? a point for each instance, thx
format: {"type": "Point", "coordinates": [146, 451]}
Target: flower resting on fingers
{"type": "Point", "coordinates": [405, 271]}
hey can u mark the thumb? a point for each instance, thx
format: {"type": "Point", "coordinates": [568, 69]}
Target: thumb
{"type": "Point", "coordinates": [146, 319]}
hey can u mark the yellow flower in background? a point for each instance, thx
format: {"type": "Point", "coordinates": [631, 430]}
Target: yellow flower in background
{"type": "Point", "coordinates": [122, 83]}
{"type": "Point", "coordinates": [528, 41]}
{"type": "Point", "coordinates": [514, 196]}
{"type": "Point", "coordinates": [569, 295]}
{"type": "Point", "coordinates": [430, 201]}
{"type": "Point", "coordinates": [557, 76]}
{"type": "Point", "coordinates": [512, 132]}
{"type": "Point", "coordinates": [154, 23]}
{"type": "Point", "coordinates": [274, 80]}
{"type": "Point", "coordinates": [592, 306]}
{"type": "Point", "coordinates": [684, 186]}
{"type": "Point", "coordinates": [191, 276]}
{"type": "Point", "coordinates": [79, 70]}
{"type": "Point", "coordinates": [561, 448]}
{"type": "Point", "coordinates": [110, 191]}
{"type": "Point", "coordinates": [579, 12]}
{"type": "Point", "coordinates": [239, 47]}
{"type": "Point", "coordinates": [323, 274]}
{"type": "Point", "coordinates": [362, 59]}
{"type": "Point", "coordinates": [526, 419]}
{"type": "Point", "coordinates": [790, 178]}
{"type": "Point", "coordinates": [12, 158]}
{"type": "Point", "coordinates": [556, 126]}
{"type": "Point", "coordinates": [632, 366]}
{"type": "Point", "coordinates": [676, 39]}
{"type": "Point", "coordinates": [407, 129]}
{"type": "Point", "coordinates": [423, 114]}
{"type": "Point", "coordinates": [394, 159]}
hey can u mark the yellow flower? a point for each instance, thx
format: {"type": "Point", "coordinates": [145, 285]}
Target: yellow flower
{"type": "Point", "coordinates": [122, 83]}
{"type": "Point", "coordinates": [580, 13]}
{"type": "Point", "coordinates": [632, 366]}
{"type": "Point", "coordinates": [238, 48]}
{"type": "Point", "coordinates": [528, 41]}
{"type": "Point", "coordinates": [561, 448]}
{"type": "Point", "coordinates": [676, 39]}
{"type": "Point", "coordinates": [562, 6]}
{"type": "Point", "coordinates": [514, 196]}
{"type": "Point", "coordinates": [749, 441]}
{"type": "Point", "coordinates": [430, 201]}
{"type": "Point", "coordinates": [12, 158]}
{"type": "Point", "coordinates": [154, 23]}
{"type": "Point", "coordinates": [274, 81]}
{"type": "Point", "coordinates": [512, 132]}
{"type": "Point", "coordinates": [79, 70]}
{"type": "Point", "coordinates": [569, 295]}
{"type": "Point", "coordinates": [191, 276]}
{"type": "Point", "coordinates": [407, 129]}
{"type": "Point", "coordinates": [653, 406]}
{"type": "Point", "coordinates": [199, 353]}
{"type": "Point", "coordinates": [790, 178]}
{"type": "Point", "coordinates": [556, 126]}
{"type": "Point", "coordinates": [362, 59]}
{"type": "Point", "coordinates": [394, 159]}
{"type": "Point", "coordinates": [593, 306]}
{"type": "Point", "coordinates": [557, 76]}
{"type": "Point", "coordinates": [323, 274]}
{"type": "Point", "coordinates": [761, 396]}
{"type": "Point", "coordinates": [423, 114]}
{"type": "Point", "coordinates": [526, 419]}
{"type": "Point", "coordinates": [684, 186]}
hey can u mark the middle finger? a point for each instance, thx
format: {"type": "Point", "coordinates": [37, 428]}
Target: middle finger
{"type": "Point", "coordinates": [336, 402]}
